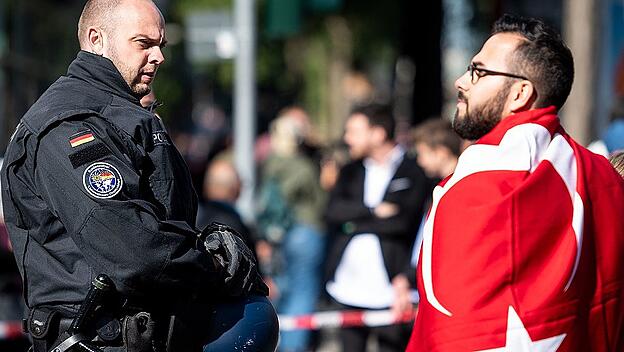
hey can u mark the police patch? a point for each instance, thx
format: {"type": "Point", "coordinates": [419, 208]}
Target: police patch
{"type": "Point", "coordinates": [102, 180]}
{"type": "Point", "coordinates": [160, 138]}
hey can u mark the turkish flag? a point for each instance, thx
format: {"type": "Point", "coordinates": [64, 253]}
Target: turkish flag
{"type": "Point", "coordinates": [521, 249]}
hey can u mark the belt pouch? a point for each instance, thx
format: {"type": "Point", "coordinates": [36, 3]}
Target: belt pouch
{"type": "Point", "coordinates": [43, 327]}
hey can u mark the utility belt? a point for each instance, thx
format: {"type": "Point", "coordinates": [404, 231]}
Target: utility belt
{"type": "Point", "coordinates": [102, 325]}
{"type": "Point", "coordinates": [136, 332]}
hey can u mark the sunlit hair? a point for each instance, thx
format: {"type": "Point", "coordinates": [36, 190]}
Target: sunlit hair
{"type": "Point", "coordinates": [543, 57]}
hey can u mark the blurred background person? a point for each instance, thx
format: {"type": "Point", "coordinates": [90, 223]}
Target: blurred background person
{"type": "Point", "coordinates": [291, 202]}
{"type": "Point", "coordinates": [612, 139]}
{"type": "Point", "coordinates": [210, 135]}
{"type": "Point", "coordinates": [377, 203]}
{"type": "Point", "coordinates": [308, 145]}
{"type": "Point", "coordinates": [221, 189]}
{"type": "Point", "coordinates": [333, 158]}
{"type": "Point", "coordinates": [437, 147]}
{"type": "Point", "coordinates": [617, 160]}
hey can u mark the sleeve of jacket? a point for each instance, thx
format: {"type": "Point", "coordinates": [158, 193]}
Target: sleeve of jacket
{"type": "Point", "coordinates": [409, 198]}
{"type": "Point", "coordinates": [118, 231]}
{"type": "Point", "coordinates": [344, 206]}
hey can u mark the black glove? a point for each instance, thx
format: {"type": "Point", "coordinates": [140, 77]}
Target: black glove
{"type": "Point", "coordinates": [240, 269]}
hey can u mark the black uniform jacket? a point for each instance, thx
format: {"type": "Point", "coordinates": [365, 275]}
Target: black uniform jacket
{"type": "Point", "coordinates": [349, 216]}
{"type": "Point", "coordinates": [92, 184]}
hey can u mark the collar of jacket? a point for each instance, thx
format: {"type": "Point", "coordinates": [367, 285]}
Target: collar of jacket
{"type": "Point", "coordinates": [102, 73]}
{"type": "Point", "coordinates": [546, 117]}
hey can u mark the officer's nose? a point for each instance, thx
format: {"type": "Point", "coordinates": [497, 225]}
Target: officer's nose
{"type": "Point", "coordinates": [156, 56]}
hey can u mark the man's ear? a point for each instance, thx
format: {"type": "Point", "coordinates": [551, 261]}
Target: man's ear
{"type": "Point", "coordinates": [522, 96]}
{"type": "Point", "coordinates": [379, 134]}
{"type": "Point", "coordinates": [95, 40]}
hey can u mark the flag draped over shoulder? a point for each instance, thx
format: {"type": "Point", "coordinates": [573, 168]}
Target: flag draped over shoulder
{"type": "Point", "coordinates": [521, 250]}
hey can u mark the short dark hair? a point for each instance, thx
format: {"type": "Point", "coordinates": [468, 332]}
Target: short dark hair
{"type": "Point", "coordinates": [379, 115]}
{"type": "Point", "coordinates": [543, 58]}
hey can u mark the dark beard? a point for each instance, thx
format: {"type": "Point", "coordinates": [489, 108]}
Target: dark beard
{"type": "Point", "coordinates": [477, 123]}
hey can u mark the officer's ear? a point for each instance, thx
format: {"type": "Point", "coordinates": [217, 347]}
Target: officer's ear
{"type": "Point", "coordinates": [95, 40]}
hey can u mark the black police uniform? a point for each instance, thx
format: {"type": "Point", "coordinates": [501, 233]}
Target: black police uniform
{"type": "Point", "coordinates": [92, 184]}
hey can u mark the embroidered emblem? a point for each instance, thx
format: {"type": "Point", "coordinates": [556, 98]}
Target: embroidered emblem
{"type": "Point", "coordinates": [81, 138]}
{"type": "Point", "coordinates": [102, 180]}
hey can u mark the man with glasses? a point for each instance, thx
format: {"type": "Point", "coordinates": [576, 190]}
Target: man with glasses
{"type": "Point", "coordinates": [520, 248]}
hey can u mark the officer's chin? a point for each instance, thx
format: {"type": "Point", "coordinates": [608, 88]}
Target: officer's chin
{"type": "Point", "coordinates": [141, 89]}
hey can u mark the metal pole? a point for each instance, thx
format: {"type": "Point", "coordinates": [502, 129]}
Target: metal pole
{"type": "Point", "coordinates": [245, 103]}
{"type": "Point", "coordinates": [582, 34]}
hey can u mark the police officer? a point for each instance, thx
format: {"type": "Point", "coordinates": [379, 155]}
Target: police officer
{"type": "Point", "coordinates": [92, 185]}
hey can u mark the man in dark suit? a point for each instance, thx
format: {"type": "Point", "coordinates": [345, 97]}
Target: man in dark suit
{"type": "Point", "coordinates": [376, 207]}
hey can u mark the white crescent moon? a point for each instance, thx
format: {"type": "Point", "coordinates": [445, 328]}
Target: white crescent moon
{"type": "Point", "coordinates": [509, 155]}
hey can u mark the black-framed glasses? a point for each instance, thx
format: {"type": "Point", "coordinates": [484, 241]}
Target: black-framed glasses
{"type": "Point", "coordinates": [479, 72]}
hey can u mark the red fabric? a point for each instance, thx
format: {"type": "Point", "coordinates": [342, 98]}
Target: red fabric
{"type": "Point", "coordinates": [504, 237]}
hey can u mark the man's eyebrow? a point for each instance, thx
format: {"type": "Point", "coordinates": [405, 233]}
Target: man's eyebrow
{"type": "Point", "coordinates": [142, 37]}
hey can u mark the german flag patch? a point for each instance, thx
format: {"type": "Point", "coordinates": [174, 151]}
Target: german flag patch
{"type": "Point", "coordinates": [81, 138]}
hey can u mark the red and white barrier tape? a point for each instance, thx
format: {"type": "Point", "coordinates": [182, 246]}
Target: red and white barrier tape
{"type": "Point", "coordinates": [10, 330]}
{"type": "Point", "coordinates": [343, 319]}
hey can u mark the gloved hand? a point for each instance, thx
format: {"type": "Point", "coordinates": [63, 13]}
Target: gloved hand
{"type": "Point", "coordinates": [239, 266]}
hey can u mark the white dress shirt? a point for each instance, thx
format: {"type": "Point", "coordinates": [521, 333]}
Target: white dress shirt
{"type": "Point", "coordinates": [361, 279]}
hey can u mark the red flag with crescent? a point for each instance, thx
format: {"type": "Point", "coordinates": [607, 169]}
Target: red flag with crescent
{"type": "Point", "coordinates": [521, 249]}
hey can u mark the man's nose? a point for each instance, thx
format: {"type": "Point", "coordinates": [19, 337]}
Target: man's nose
{"type": "Point", "coordinates": [156, 56]}
{"type": "Point", "coordinates": [462, 81]}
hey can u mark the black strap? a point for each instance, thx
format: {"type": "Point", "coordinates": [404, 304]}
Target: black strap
{"type": "Point", "coordinates": [42, 325]}
{"type": "Point", "coordinates": [40, 321]}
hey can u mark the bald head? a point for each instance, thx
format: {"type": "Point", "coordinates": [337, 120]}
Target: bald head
{"type": "Point", "coordinates": [104, 14]}
{"type": "Point", "coordinates": [96, 13]}
{"type": "Point", "coordinates": [222, 182]}
{"type": "Point", "coordinates": [131, 33]}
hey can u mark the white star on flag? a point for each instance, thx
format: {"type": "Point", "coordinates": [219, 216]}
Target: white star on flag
{"type": "Point", "coordinates": [518, 339]}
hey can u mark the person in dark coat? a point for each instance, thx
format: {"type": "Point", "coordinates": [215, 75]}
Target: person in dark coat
{"type": "Point", "coordinates": [222, 187]}
{"type": "Point", "coordinates": [376, 204]}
